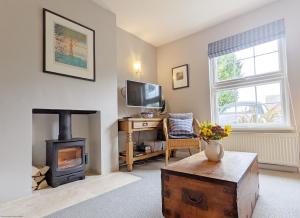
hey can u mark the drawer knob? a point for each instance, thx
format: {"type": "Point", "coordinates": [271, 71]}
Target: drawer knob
{"type": "Point", "coordinates": [145, 124]}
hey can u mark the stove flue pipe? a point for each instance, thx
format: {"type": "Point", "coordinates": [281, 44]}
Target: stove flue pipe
{"type": "Point", "coordinates": [65, 125]}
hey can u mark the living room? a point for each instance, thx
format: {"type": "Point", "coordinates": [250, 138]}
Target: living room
{"type": "Point", "coordinates": [94, 117]}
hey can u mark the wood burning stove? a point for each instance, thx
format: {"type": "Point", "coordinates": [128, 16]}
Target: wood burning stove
{"type": "Point", "coordinates": [65, 156]}
{"type": "Point", "coordinates": [66, 159]}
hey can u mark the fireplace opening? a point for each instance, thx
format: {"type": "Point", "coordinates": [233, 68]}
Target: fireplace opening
{"type": "Point", "coordinates": [66, 155]}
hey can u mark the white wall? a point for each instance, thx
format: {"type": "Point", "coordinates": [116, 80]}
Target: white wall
{"type": "Point", "coordinates": [129, 50]}
{"type": "Point", "coordinates": [24, 86]}
{"type": "Point", "coordinates": [192, 50]}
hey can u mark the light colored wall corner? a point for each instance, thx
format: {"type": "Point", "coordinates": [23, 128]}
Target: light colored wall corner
{"type": "Point", "coordinates": [192, 50]}
{"type": "Point", "coordinates": [129, 50]}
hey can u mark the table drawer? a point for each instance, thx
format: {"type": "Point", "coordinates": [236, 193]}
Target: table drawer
{"type": "Point", "coordinates": [145, 124]}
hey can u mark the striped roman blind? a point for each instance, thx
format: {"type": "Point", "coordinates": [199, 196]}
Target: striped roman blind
{"type": "Point", "coordinates": [250, 38]}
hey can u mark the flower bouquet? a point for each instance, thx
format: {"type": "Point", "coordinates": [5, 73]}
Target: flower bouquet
{"type": "Point", "coordinates": [212, 134]}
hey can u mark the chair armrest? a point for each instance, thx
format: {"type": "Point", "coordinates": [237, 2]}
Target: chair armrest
{"type": "Point", "coordinates": [196, 126]}
{"type": "Point", "coordinates": [165, 127]}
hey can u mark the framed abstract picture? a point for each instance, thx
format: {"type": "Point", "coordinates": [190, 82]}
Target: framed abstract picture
{"type": "Point", "coordinates": [69, 47]}
{"type": "Point", "coordinates": [180, 76]}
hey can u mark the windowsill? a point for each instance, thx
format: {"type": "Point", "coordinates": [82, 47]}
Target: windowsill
{"type": "Point", "coordinates": [264, 129]}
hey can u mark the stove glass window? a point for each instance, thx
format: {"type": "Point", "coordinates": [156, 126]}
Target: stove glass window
{"type": "Point", "coordinates": [69, 157]}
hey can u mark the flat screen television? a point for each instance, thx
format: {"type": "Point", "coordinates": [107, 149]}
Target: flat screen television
{"type": "Point", "coordinates": [145, 95]}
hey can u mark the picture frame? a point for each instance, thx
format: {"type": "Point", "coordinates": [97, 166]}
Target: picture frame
{"type": "Point", "coordinates": [180, 77]}
{"type": "Point", "coordinates": [68, 47]}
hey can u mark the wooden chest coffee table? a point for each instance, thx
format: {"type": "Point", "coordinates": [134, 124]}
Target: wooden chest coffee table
{"type": "Point", "coordinates": [196, 187]}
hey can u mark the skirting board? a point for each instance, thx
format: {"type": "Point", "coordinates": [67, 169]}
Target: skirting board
{"type": "Point", "coordinates": [278, 167]}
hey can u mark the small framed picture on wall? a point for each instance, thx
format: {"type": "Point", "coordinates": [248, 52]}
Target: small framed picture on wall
{"type": "Point", "coordinates": [69, 47]}
{"type": "Point", "coordinates": [180, 76]}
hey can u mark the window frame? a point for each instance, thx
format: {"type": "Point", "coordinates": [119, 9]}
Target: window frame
{"type": "Point", "coordinates": [255, 80]}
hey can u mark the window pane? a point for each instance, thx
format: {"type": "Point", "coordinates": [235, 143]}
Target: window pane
{"type": "Point", "coordinates": [226, 100]}
{"type": "Point", "coordinates": [246, 94]}
{"type": "Point", "coordinates": [260, 104]}
{"type": "Point", "coordinates": [241, 63]}
{"type": "Point", "coordinates": [226, 106]}
{"type": "Point", "coordinates": [267, 63]}
{"type": "Point", "coordinates": [247, 67]}
{"type": "Point", "coordinates": [228, 67]}
{"type": "Point", "coordinates": [246, 105]}
{"type": "Point", "coordinates": [266, 48]}
{"type": "Point", "coordinates": [229, 110]}
{"type": "Point", "coordinates": [270, 103]}
{"type": "Point", "coordinates": [245, 53]}
{"type": "Point", "coordinates": [237, 106]}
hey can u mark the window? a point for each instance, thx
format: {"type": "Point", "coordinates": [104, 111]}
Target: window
{"type": "Point", "coordinates": [248, 86]}
{"type": "Point", "coordinates": [252, 61]}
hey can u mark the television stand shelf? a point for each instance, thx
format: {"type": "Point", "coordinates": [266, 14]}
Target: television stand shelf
{"type": "Point", "coordinates": [131, 125]}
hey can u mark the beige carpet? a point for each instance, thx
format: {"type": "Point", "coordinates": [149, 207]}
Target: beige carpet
{"type": "Point", "coordinates": [45, 202]}
{"type": "Point", "coordinates": [279, 197]}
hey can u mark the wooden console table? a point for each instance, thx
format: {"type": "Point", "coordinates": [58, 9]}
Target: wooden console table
{"type": "Point", "coordinates": [130, 125]}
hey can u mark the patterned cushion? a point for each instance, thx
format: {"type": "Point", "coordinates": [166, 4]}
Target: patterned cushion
{"type": "Point", "coordinates": [180, 126]}
{"type": "Point", "coordinates": [181, 115]}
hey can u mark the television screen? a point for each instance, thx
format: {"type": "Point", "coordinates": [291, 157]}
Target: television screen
{"type": "Point", "coordinates": [143, 94]}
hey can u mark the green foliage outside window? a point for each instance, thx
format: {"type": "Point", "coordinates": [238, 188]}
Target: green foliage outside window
{"type": "Point", "coordinates": [228, 67]}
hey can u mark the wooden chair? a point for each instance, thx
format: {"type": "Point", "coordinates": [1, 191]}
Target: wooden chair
{"type": "Point", "coordinates": [174, 144]}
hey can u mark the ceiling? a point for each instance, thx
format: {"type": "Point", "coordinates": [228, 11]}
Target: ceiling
{"type": "Point", "coordinates": [161, 21]}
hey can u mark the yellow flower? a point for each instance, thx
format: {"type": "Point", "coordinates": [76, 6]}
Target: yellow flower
{"type": "Point", "coordinates": [206, 124]}
{"type": "Point", "coordinates": [206, 131]}
{"type": "Point", "coordinates": [227, 129]}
